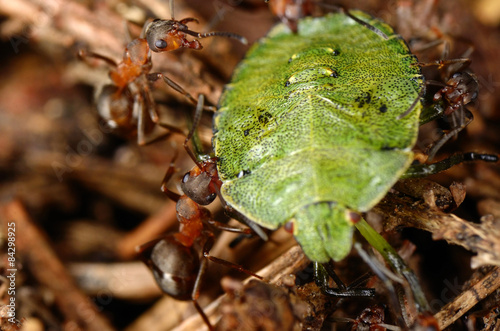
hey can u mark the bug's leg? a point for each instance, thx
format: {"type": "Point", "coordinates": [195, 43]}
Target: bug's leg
{"type": "Point", "coordinates": [392, 257]}
{"type": "Point", "coordinates": [386, 276]}
{"type": "Point", "coordinates": [422, 170]}
{"type": "Point", "coordinates": [322, 273]}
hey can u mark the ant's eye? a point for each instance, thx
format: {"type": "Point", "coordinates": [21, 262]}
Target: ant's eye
{"type": "Point", "coordinates": [161, 44]}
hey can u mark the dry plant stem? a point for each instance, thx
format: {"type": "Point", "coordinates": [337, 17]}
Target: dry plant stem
{"type": "Point", "coordinates": [164, 315]}
{"type": "Point", "coordinates": [128, 186]}
{"type": "Point", "coordinates": [149, 229]}
{"type": "Point", "coordinates": [468, 298]}
{"type": "Point", "coordinates": [478, 238]}
{"type": "Point", "coordinates": [33, 248]}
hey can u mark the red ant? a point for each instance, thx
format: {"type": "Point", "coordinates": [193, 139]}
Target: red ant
{"type": "Point", "coordinates": [127, 104]}
{"type": "Point", "coordinates": [460, 89]}
{"type": "Point", "coordinates": [290, 11]}
{"type": "Point", "coordinates": [173, 258]}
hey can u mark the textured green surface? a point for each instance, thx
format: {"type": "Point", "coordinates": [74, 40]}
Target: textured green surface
{"type": "Point", "coordinates": [308, 128]}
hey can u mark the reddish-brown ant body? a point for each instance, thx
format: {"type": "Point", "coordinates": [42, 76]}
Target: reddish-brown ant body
{"type": "Point", "coordinates": [175, 262]}
{"type": "Point", "coordinates": [290, 11]}
{"type": "Point", "coordinates": [460, 90]}
{"type": "Point", "coordinates": [127, 104]}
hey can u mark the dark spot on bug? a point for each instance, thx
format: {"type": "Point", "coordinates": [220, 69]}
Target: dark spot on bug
{"type": "Point", "coordinates": [246, 132]}
{"type": "Point", "coordinates": [287, 83]}
{"type": "Point", "coordinates": [264, 118]}
{"type": "Point", "coordinates": [364, 98]}
{"type": "Point", "coordinates": [383, 108]}
{"type": "Point", "coordinates": [334, 74]}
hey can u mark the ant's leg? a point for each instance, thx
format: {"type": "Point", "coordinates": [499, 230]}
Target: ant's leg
{"type": "Point", "coordinates": [422, 170]}
{"type": "Point", "coordinates": [84, 54]}
{"type": "Point", "coordinates": [138, 110]}
{"type": "Point", "coordinates": [168, 175]}
{"type": "Point", "coordinates": [196, 293]}
{"type": "Point", "coordinates": [463, 62]}
{"type": "Point", "coordinates": [322, 273]}
{"type": "Point", "coordinates": [188, 20]}
{"type": "Point", "coordinates": [228, 228]}
{"type": "Point", "coordinates": [171, 7]}
{"type": "Point", "coordinates": [150, 104]}
{"type": "Point", "coordinates": [194, 127]}
{"type": "Point", "coordinates": [203, 267]}
{"type": "Point", "coordinates": [206, 254]}
{"type": "Point", "coordinates": [433, 149]}
{"type": "Point", "coordinates": [157, 75]}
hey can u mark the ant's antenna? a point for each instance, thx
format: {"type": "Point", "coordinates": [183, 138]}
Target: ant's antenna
{"type": "Point", "coordinates": [171, 4]}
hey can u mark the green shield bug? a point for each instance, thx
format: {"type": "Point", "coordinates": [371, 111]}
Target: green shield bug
{"type": "Point", "coordinates": [317, 124]}
{"type": "Point", "coordinates": [315, 128]}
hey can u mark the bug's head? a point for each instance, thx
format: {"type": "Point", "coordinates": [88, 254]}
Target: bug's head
{"type": "Point", "coordinates": [163, 35]}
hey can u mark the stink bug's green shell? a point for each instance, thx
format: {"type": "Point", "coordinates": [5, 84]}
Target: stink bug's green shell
{"type": "Point", "coordinates": [317, 124]}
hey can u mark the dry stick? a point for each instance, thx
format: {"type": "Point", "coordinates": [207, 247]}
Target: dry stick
{"type": "Point", "coordinates": [482, 239]}
{"type": "Point", "coordinates": [148, 230]}
{"type": "Point", "coordinates": [39, 257]}
{"type": "Point", "coordinates": [125, 280]}
{"type": "Point", "coordinates": [468, 299]}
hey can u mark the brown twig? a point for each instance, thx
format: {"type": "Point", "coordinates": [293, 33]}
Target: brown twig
{"type": "Point", "coordinates": [126, 281]}
{"type": "Point", "coordinates": [41, 260]}
{"type": "Point", "coordinates": [468, 298]}
{"type": "Point", "coordinates": [402, 211]}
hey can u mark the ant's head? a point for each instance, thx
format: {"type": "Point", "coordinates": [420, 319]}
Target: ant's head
{"type": "Point", "coordinates": [163, 35]}
{"type": "Point", "coordinates": [465, 85]}
{"type": "Point", "coordinates": [197, 185]}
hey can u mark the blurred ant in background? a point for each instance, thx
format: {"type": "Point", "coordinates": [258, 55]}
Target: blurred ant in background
{"type": "Point", "coordinates": [290, 11]}
{"type": "Point", "coordinates": [127, 104]}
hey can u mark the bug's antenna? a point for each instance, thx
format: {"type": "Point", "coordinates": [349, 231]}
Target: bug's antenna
{"type": "Point", "coordinates": [367, 25]}
{"type": "Point", "coordinates": [413, 105]}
